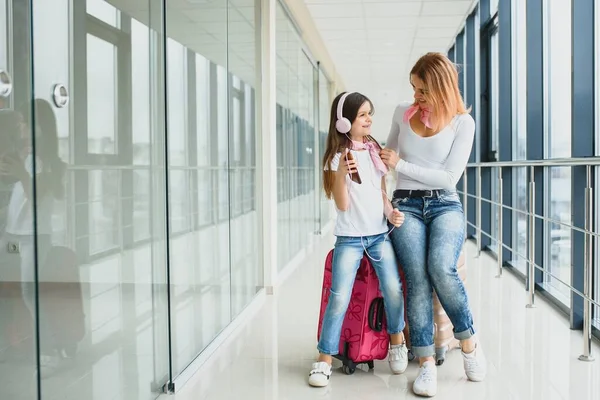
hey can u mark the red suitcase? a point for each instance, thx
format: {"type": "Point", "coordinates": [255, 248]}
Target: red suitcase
{"type": "Point", "coordinates": [364, 335]}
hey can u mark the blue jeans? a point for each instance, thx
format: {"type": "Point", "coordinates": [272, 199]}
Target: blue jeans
{"type": "Point", "coordinates": [347, 254]}
{"type": "Point", "coordinates": [428, 246]}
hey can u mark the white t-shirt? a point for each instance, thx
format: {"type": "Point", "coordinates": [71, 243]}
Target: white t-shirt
{"type": "Point", "coordinates": [364, 216]}
{"type": "Point", "coordinates": [19, 220]}
{"type": "Point", "coordinates": [435, 162]}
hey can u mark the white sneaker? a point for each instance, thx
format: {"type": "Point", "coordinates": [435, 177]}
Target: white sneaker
{"type": "Point", "coordinates": [426, 383]}
{"type": "Point", "coordinates": [398, 358]}
{"type": "Point", "coordinates": [319, 375]}
{"type": "Point", "coordinates": [475, 364]}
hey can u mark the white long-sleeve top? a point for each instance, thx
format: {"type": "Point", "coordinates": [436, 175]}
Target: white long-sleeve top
{"type": "Point", "coordinates": [435, 162]}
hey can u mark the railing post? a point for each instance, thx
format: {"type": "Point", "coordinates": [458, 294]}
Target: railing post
{"type": "Point", "coordinates": [587, 270]}
{"type": "Point", "coordinates": [500, 223]}
{"type": "Point", "coordinates": [465, 200]}
{"type": "Point", "coordinates": [478, 218]}
{"type": "Point", "coordinates": [531, 255]}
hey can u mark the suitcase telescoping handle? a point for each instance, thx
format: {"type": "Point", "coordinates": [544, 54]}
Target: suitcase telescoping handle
{"type": "Point", "coordinates": [376, 314]}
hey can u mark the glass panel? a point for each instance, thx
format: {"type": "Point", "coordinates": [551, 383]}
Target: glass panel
{"type": "Point", "coordinates": [559, 145]}
{"type": "Point", "coordinates": [177, 136]}
{"type": "Point", "coordinates": [104, 11]}
{"type": "Point", "coordinates": [102, 282]}
{"type": "Point", "coordinates": [246, 278]}
{"type": "Point", "coordinates": [493, 6]}
{"type": "Point", "coordinates": [199, 176]}
{"type": "Point", "coordinates": [306, 145]}
{"type": "Point", "coordinates": [324, 105]}
{"type": "Point", "coordinates": [494, 134]}
{"type": "Point", "coordinates": [18, 294]}
{"type": "Point", "coordinates": [205, 188]}
{"type": "Point", "coordinates": [596, 309]}
{"type": "Point", "coordinates": [289, 129]}
{"type": "Point", "coordinates": [101, 96]}
{"type": "Point", "coordinates": [140, 118]}
{"type": "Point", "coordinates": [519, 101]}
{"type": "Point", "coordinates": [4, 38]}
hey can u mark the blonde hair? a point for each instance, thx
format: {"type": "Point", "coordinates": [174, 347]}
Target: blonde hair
{"type": "Point", "coordinates": [440, 77]}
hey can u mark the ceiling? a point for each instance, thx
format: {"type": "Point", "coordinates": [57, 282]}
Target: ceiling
{"type": "Point", "coordinates": [374, 43]}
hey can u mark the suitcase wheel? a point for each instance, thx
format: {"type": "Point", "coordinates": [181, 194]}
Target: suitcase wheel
{"type": "Point", "coordinates": [411, 355]}
{"type": "Point", "coordinates": [440, 355]}
{"type": "Point", "coordinates": [348, 370]}
{"type": "Point", "coordinates": [371, 364]}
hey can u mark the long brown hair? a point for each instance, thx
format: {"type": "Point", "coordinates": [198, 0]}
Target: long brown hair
{"type": "Point", "coordinates": [46, 147]}
{"type": "Point", "coordinates": [338, 142]}
{"type": "Point", "coordinates": [440, 78]}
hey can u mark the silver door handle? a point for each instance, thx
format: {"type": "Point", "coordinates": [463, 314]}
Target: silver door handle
{"type": "Point", "coordinates": [6, 85]}
{"type": "Point", "coordinates": [60, 95]}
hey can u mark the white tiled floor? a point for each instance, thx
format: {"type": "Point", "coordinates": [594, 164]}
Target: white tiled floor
{"type": "Point", "coordinates": [532, 353]}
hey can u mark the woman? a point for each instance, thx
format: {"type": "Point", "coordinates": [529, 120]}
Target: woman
{"type": "Point", "coordinates": [429, 145]}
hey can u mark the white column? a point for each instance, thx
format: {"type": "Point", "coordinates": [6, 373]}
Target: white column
{"type": "Point", "coordinates": [266, 145]}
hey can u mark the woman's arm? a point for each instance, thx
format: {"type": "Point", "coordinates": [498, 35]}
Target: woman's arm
{"type": "Point", "coordinates": [455, 164]}
{"type": "Point", "coordinates": [392, 140]}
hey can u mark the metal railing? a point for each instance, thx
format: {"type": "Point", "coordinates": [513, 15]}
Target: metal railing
{"type": "Point", "coordinates": [587, 230]}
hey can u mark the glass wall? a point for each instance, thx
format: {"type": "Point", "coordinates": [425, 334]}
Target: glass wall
{"type": "Point", "coordinates": [129, 230]}
{"type": "Point", "coordinates": [550, 45]}
{"type": "Point", "coordinates": [494, 127]}
{"type": "Point", "coordinates": [211, 125]}
{"type": "Point", "coordinates": [295, 142]}
{"type": "Point", "coordinates": [596, 309]}
{"type": "Point", "coordinates": [18, 300]}
{"type": "Point", "coordinates": [519, 140]}
{"type": "Point", "coordinates": [324, 115]}
{"type": "Point", "coordinates": [558, 144]}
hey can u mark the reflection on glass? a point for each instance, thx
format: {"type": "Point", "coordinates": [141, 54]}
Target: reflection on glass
{"type": "Point", "coordinates": [101, 96]}
{"type": "Point", "coordinates": [495, 137]}
{"type": "Point", "coordinates": [18, 304]}
{"type": "Point", "coordinates": [324, 87]}
{"type": "Point", "coordinates": [212, 164]}
{"type": "Point", "coordinates": [104, 11]}
{"type": "Point", "coordinates": [559, 146]}
{"type": "Point", "coordinates": [295, 142]}
{"type": "Point", "coordinates": [3, 37]}
{"type": "Point", "coordinates": [493, 6]}
{"type": "Point", "coordinates": [100, 203]}
{"type": "Point", "coordinates": [596, 284]}
{"type": "Point", "coordinates": [140, 144]}
{"type": "Point", "coordinates": [519, 101]}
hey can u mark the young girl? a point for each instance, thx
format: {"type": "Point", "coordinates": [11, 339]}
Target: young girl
{"type": "Point", "coordinates": [354, 176]}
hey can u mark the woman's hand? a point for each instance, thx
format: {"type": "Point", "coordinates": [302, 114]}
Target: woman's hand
{"type": "Point", "coordinates": [389, 157]}
{"type": "Point", "coordinates": [396, 218]}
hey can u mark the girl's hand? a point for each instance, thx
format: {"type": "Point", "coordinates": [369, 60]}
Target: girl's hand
{"type": "Point", "coordinates": [389, 157]}
{"type": "Point", "coordinates": [396, 218]}
{"type": "Point", "coordinates": [347, 165]}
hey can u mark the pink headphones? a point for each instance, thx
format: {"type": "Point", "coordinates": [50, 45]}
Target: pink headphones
{"type": "Point", "coordinates": [343, 125]}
